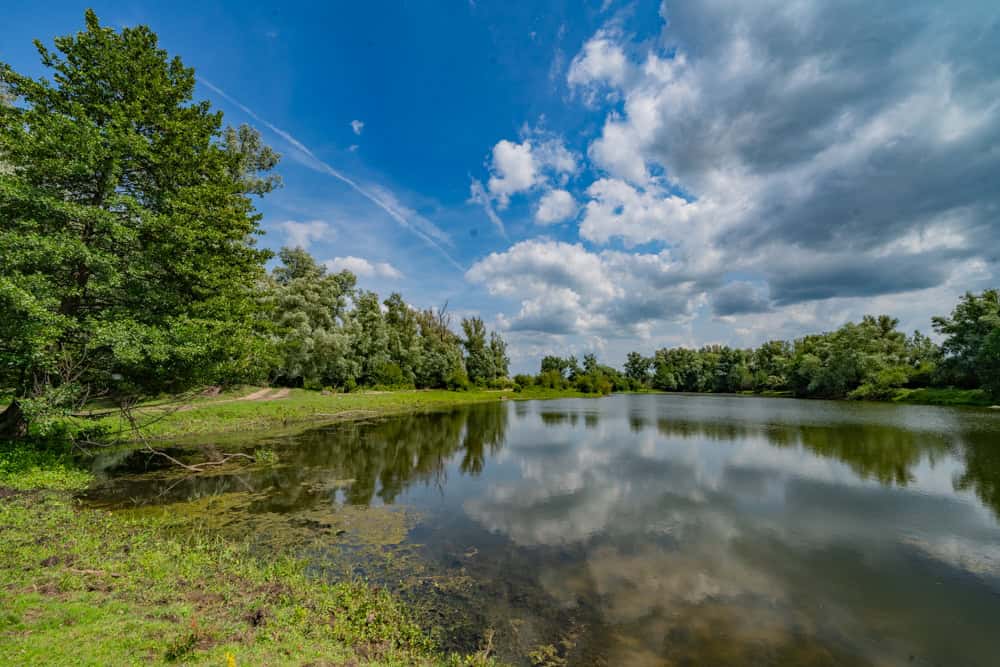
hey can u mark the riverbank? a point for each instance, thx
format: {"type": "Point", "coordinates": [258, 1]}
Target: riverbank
{"type": "Point", "coordinates": [257, 409]}
{"type": "Point", "coordinates": [944, 396]}
{"type": "Point", "coordinates": [89, 587]}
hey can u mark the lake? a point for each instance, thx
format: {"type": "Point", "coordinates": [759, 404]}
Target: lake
{"type": "Point", "coordinates": [635, 529]}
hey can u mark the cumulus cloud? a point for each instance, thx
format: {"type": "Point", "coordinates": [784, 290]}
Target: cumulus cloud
{"type": "Point", "coordinates": [619, 210]}
{"type": "Point", "coordinates": [792, 164]}
{"type": "Point", "coordinates": [602, 61]}
{"type": "Point", "coordinates": [301, 234]}
{"type": "Point", "coordinates": [565, 288]}
{"type": "Point", "coordinates": [519, 167]}
{"type": "Point", "coordinates": [514, 169]}
{"type": "Point", "coordinates": [362, 268]}
{"type": "Point", "coordinates": [775, 130]}
{"type": "Point", "coordinates": [555, 206]}
{"type": "Point", "coordinates": [357, 126]}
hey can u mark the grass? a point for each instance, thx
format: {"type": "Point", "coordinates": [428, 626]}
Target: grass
{"type": "Point", "coordinates": [85, 587]}
{"type": "Point", "coordinates": [24, 468]}
{"type": "Point", "coordinates": [943, 396]}
{"type": "Point", "coordinates": [224, 414]}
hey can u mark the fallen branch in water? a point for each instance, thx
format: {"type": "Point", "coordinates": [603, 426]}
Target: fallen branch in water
{"type": "Point", "coordinates": [196, 467]}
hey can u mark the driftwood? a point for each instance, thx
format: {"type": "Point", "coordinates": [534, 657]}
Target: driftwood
{"type": "Point", "coordinates": [197, 467]}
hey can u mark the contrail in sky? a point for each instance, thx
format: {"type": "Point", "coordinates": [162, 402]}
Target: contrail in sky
{"type": "Point", "coordinates": [384, 200]}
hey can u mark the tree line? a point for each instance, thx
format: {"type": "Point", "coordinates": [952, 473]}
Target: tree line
{"type": "Point", "coordinates": [324, 332]}
{"type": "Point", "coordinates": [128, 258]}
{"type": "Point", "coordinates": [870, 359]}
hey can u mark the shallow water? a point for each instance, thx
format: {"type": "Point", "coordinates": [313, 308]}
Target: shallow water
{"type": "Point", "coordinates": [639, 529]}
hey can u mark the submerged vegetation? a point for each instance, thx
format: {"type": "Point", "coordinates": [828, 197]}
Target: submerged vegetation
{"type": "Point", "coordinates": [86, 587]}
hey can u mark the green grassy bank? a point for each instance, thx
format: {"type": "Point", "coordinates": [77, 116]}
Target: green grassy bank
{"type": "Point", "coordinates": [943, 396]}
{"type": "Point", "coordinates": [232, 411]}
{"type": "Point", "coordinates": [85, 587]}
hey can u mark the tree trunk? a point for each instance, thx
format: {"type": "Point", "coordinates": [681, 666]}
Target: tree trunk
{"type": "Point", "coordinates": [13, 424]}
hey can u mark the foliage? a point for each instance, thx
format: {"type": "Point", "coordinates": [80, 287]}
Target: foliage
{"type": "Point", "coordinates": [988, 364]}
{"type": "Point", "coordinates": [328, 333]}
{"type": "Point", "coordinates": [870, 360]}
{"type": "Point", "coordinates": [592, 378]}
{"type": "Point", "coordinates": [126, 226]}
{"type": "Point", "coordinates": [972, 337]}
{"type": "Point", "coordinates": [484, 361]}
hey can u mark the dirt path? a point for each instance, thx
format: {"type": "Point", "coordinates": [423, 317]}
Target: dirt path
{"type": "Point", "coordinates": [255, 396]}
{"type": "Point", "coordinates": [262, 395]}
{"type": "Point", "coordinates": [259, 395]}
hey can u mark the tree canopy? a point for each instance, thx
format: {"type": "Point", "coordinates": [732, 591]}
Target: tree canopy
{"type": "Point", "coordinates": [127, 258]}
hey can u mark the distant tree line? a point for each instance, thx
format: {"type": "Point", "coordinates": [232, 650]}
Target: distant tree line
{"type": "Point", "coordinates": [870, 359]}
{"type": "Point", "coordinates": [567, 373]}
{"type": "Point", "coordinates": [325, 332]}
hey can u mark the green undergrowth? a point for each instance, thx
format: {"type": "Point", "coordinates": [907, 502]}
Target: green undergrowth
{"type": "Point", "coordinates": [943, 396]}
{"type": "Point", "coordinates": [165, 419]}
{"type": "Point", "coordinates": [23, 467]}
{"type": "Point", "coordinates": [85, 587]}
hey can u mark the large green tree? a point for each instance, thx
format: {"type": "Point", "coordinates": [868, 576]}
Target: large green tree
{"type": "Point", "coordinates": [309, 311]}
{"type": "Point", "coordinates": [479, 361]}
{"type": "Point", "coordinates": [967, 334]}
{"type": "Point", "coordinates": [126, 226]}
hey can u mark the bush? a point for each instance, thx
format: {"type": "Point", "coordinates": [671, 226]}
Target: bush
{"type": "Point", "coordinates": [551, 380]}
{"type": "Point", "coordinates": [501, 383]}
{"type": "Point", "coordinates": [390, 375]}
{"type": "Point", "coordinates": [524, 380]}
{"type": "Point", "coordinates": [457, 380]}
{"type": "Point", "coordinates": [25, 467]}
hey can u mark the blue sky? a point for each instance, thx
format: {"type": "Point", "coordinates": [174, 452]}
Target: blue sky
{"type": "Point", "coordinates": [609, 176]}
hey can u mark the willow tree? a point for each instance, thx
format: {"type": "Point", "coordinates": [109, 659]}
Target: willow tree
{"type": "Point", "coordinates": [127, 228]}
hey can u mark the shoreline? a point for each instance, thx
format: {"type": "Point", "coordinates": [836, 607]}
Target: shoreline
{"type": "Point", "coordinates": [297, 409]}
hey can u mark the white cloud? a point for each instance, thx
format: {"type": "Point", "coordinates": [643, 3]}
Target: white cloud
{"type": "Point", "coordinates": [357, 126]}
{"type": "Point", "coordinates": [535, 161]}
{"type": "Point", "coordinates": [618, 210]}
{"type": "Point", "coordinates": [602, 61]}
{"type": "Point", "coordinates": [555, 206]}
{"type": "Point", "coordinates": [564, 288]}
{"type": "Point", "coordinates": [514, 169]}
{"type": "Point", "coordinates": [362, 268]}
{"type": "Point", "coordinates": [301, 234]}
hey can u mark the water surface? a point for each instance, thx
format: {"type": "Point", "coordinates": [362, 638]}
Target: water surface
{"type": "Point", "coordinates": [639, 529]}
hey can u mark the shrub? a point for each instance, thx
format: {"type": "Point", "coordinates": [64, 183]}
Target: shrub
{"type": "Point", "coordinates": [524, 380]}
{"type": "Point", "coordinates": [551, 380]}
{"type": "Point", "coordinates": [457, 380]}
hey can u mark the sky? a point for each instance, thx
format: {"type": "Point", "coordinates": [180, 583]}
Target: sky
{"type": "Point", "coordinates": [609, 176]}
